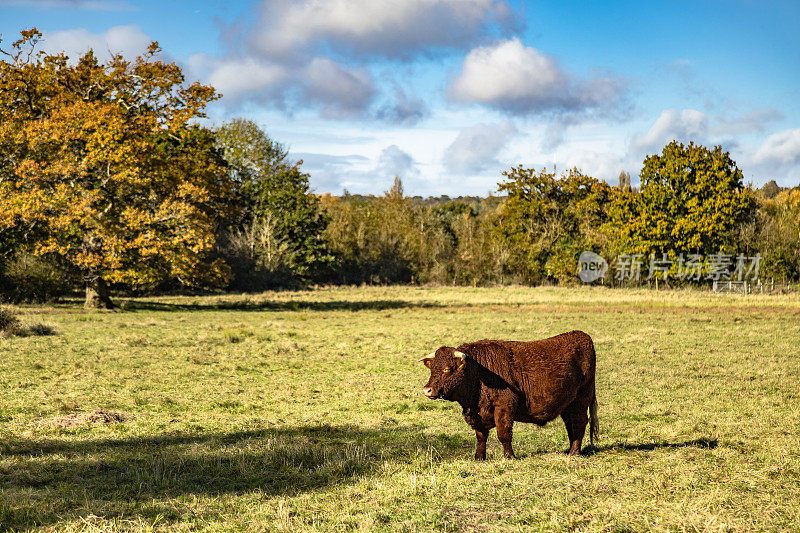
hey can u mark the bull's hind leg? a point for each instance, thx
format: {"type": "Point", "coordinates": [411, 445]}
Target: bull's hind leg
{"type": "Point", "coordinates": [480, 451]}
{"type": "Point", "coordinates": [565, 416]}
{"type": "Point", "coordinates": [575, 419]}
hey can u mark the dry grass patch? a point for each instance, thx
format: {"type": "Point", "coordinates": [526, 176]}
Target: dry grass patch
{"type": "Point", "coordinates": [98, 416]}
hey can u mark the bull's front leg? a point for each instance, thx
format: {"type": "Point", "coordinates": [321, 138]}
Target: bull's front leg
{"type": "Point", "coordinates": [504, 420]}
{"type": "Point", "coordinates": [481, 421]}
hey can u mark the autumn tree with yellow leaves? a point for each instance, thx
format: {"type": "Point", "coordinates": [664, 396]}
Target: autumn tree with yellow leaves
{"type": "Point", "coordinates": [102, 165]}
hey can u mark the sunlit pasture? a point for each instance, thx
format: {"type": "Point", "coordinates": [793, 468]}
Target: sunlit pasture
{"type": "Point", "coordinates": [303, 411]}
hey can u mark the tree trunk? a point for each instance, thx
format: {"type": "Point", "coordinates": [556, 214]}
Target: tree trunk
{"type": "Point", "coordinates": [97, 296]}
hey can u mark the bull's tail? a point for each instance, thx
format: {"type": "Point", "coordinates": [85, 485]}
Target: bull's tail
{"type": "Point", "coordinates": [594, 428]}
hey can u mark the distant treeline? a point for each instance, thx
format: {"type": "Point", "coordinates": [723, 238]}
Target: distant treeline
{"type": "Point", "coordinates": [107, 181]}
{"type": "Point", "coordinates": [534, 232]}
{"type": "Point", "coordinates": [531, 233]}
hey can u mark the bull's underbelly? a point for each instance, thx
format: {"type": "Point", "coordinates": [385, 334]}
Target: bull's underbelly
{"type": "Point", "coordinates": [537, 418]}
{"type": "Point", "coordinates": [542, 410]}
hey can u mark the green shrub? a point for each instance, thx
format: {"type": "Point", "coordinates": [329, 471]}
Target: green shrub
{"type": "Point", "coordinates": [28, 278]}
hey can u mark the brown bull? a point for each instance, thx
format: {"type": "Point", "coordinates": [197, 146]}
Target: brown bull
{"type": "Point", "coordinates": [499, 382]}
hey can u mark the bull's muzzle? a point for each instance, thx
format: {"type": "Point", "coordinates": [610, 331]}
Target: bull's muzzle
{"type": "Point", "coordinates": [427, 391]}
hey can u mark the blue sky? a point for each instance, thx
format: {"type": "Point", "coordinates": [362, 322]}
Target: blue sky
{"type": "Point", "coordinates": [447, 94]}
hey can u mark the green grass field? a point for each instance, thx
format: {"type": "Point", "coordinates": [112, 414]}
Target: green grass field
{"type": "Point", "coordinates": [303, 411]}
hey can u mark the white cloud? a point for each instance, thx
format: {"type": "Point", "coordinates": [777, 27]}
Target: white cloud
{"type": "Point", "coordinates": [601, 165]}
{"type": "Point", "coordinates": [687, 125]}
{"type": "Point", "coordinates": [375, 27]}
{"type": "Point", "coordinates": [509, 74]}
{"type": "Point", "coordinates": [338, 91]}
{"type": "Point", "coordinates": [309, 54]}
{"type": "Point", "coordinates": [333, 173]}
{"type": "Point", "coordinates": [128, 40]}
{"type": "Point", "coordinates": [342, 91]}
{"type": "Point", "coordinates": [238, 78]}
{"type": "Point", "coordinates": [328, 172]}
{"type": "Point", "coordinates": [325, 47]}
{"type": "Point", "coordinates": [517, 78]}
{"type": "Point", "coordinates": [395, 162]}
{"type": "Point", "coordinates": [780, 150]}
{"type": "Point", "coordinates": [476, 148]}
{"type": "Point", "coordinates": [406, 110]}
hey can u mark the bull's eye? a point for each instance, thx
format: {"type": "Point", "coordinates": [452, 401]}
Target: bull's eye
{"type": "Point", "coordinates": [446, 370]}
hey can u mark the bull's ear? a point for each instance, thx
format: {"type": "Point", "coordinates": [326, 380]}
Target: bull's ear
{"type": "Point", "coordinates": [427, 359]}
{"type": "Point", "coordinates": [460, 355]}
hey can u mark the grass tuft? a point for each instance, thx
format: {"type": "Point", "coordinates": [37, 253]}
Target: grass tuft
{"type": "Point", "coordinates": [39, 329]}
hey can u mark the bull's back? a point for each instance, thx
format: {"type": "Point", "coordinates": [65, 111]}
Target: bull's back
{"type": "Point", "coordinates": [568, 353]}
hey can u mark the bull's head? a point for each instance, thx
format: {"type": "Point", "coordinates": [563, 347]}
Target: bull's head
{"type": "Point", "coordinates": [447, 372]}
